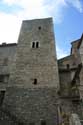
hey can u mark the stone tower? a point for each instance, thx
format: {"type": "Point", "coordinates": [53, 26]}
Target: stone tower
{"type": "Point", "coordinates": [32, 91]}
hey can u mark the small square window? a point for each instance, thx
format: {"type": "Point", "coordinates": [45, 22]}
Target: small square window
{"type": "Point", "coordinates": [4, 78]}
{"type": "Point", "coordinates": [39, 27]}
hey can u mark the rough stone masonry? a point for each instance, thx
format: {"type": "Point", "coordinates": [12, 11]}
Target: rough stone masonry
{"type": "Point", "coordinates": [32, 90]}
{"type": "Point", "coordinates": [35, 87]}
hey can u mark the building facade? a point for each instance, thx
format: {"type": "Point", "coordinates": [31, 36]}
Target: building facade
{"type": "Point", "coordinates": [35, 87]}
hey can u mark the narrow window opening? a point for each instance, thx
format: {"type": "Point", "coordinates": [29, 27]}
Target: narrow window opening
{"type": "Point", "coordinates": [2, 94]}
{"type": "Point", "coordinates": [37, 44]}
{"type": "Point", "coordinates": [1, 78]}
{"type": "Point", "coordinates": [73, 83]}
{"type": "Point", "coordinates": [43, 122]}
{"type": "Point", "coordinates": [33, 44]}
{"type": "Point", "coordinates": [35, 81]}
{"type": "Point", "coordinates": [68, 66]}
{"type": "Point", "coordinates": [60, 109]}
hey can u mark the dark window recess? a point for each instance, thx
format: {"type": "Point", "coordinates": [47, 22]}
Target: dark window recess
{"type": "Point", "coordinates": [60, 109]}
{"type": "Point", "coordinates": [73, 83]}
{"type": "Point", "coordinates": [68, 66]}
{"type": "Point", "coordinates": [1, 78]}
{"type": "Point", "coordinates": [37, 44]}
{"type": "Point", "coordinates": [2, 94]}
{"type": "Point", "coordinates": [43, 122]}
{"type": "Point", "coordinates": [4, 78]}
{"type": "Point", "coordinates": [35, 81]}
{"type": "Point", "coordinates": [39, 27]}
{"type": "Point", "coordinates": [33, 44]}
{"type": "Point", "coordinates": [76, 101]}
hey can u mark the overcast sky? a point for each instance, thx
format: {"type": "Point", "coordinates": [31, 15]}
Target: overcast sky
{"type": "Point", "coordinates": [67, 16]}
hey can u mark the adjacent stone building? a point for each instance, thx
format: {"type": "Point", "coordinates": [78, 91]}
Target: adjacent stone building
{"type": "Point", "coordinates": [35, 87]}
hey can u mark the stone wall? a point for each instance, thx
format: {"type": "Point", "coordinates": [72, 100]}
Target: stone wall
{"type": "Point", "coordinates": [81, 51]}
{"type": "Point", "coordinates": [7, 54]}
{"type": "Point", "coordinates": [36, 63]}
{"type": "Point", "coordinates": [74, 120]}
{"type": "Point", "coordinates": [65, 82]}
{"type": "Point", "coordinates": [32, 90]}
{"type": "Point", "coordinates": [32, 105]}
